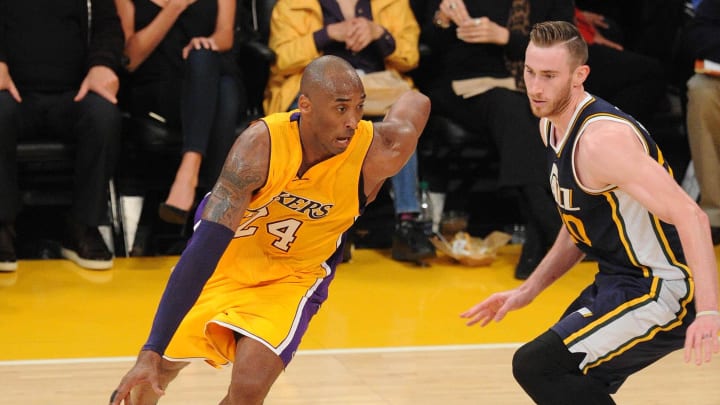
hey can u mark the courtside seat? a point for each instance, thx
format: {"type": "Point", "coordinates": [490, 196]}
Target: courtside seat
{"type": "Point", "coordinates": [45, 177]}
{"type": "Point", "coordinates": [453, 159]}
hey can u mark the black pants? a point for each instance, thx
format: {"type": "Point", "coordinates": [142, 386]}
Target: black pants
{"type": "Point", "coordinates": [203, 102]}
{"type": "Point", "coordinates": [505, 119]}
{"type": "Point", "coordinates": [92, 125]}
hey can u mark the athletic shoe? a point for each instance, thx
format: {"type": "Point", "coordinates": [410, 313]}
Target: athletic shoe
{"type": "Point", "coordinates": [410, 242]}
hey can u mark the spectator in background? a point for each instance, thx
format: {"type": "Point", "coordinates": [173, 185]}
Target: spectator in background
{"type": "Point", "coordinates": [373, 36]}
{"type": "Point", "coordinates": [487, 40]}
{"type": "Point", "coordinates": [58, 77]}
{"type": "Point", "coordinates": [646, 27]}
{"type": "Point", "coordinates": [633, 82]}
{"type": "Point", "coordinates": [702, 40]}
{"type": "Point", "coordinates": [181, 74]}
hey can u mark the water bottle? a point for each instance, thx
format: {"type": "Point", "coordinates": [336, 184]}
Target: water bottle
{"type": "Point", "coordinates": [425, 217]}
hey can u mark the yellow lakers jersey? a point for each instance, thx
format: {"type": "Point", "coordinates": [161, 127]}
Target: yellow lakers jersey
{"type": "Point", "coordinates": [294, 224]}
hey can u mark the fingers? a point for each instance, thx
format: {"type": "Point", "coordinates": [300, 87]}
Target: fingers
{"type": "Point", "coordinates": [359, 35]}
{"type": "Point", "coordinates": [477, 30]}
{"type": "Point", "coordinates": [14, 92]}
{"type": "Point", "coordinates": [118, 396]}
{"type": "Point", "coordinates": [482, 313]}
{"type": "Point", "coordinates": [107, 95]}
{"type": "Point", "coordinates": [82, 92]}
{"type": "Point", "coordinates": [456, 10]}
{"type": "Point", "coordinates": [687, 352]}
{"type": "Point", "coordinates": [199, 43]}
{"type": "Point", "coordinates": [701, 346]}
{"type": "Point", "coordinates": [709, 343]}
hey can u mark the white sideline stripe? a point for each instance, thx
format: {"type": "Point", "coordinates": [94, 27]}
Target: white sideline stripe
{"type": "Point", "coordinates": [317, 352]}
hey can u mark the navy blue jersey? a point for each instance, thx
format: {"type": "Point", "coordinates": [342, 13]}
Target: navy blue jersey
{"type": "Point", "coordinates": [607, 224]}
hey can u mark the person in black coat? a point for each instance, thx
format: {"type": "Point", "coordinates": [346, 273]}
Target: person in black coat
{"type": "Point", "coordinates": [58, 64]}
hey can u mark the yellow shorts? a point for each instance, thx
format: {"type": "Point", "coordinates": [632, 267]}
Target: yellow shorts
{"type": "Point", "coordinates": [274, 313]}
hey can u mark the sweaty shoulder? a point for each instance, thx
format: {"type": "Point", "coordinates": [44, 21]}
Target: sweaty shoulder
{"type": "Point", "coordinates": [604, 135]}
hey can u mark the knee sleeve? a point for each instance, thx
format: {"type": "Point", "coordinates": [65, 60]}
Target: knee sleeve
{"type": "Point", "coordinates": [544, 356]}
{"type": "Point", "coordinates": [549, 373]}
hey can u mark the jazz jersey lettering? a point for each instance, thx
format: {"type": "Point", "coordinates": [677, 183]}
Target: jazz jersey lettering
{"type": "Point", "coordinates": [607, 224]}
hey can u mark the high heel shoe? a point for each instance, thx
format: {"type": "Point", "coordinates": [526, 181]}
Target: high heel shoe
{"type": "Point", "coordinates": [172, 214]}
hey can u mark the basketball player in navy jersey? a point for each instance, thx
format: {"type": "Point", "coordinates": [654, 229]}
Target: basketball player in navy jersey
{"type": "Point", "coordinates": [656, 290]}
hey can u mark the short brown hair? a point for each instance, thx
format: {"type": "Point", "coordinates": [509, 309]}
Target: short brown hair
{"type": "Point", "coordinates": [549, 33]}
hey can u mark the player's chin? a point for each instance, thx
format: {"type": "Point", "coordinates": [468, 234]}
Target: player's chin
{"type": "Point", "coordinates": [538, 110]}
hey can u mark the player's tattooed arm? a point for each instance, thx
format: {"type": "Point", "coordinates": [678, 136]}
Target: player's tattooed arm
{"type": "Point", "coordinates": [244, 172]}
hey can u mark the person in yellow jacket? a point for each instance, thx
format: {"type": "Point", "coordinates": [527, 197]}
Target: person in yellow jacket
{"type": "Point", "coordinates": [373, 36]}
{"type": "Point", "coordinates": [302, 30]}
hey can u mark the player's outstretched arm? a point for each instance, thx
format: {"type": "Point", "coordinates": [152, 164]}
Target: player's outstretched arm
{"type": "Point", "coordinates": [562, 257]}
{"type": "Point", "coordinates": [609, 153]}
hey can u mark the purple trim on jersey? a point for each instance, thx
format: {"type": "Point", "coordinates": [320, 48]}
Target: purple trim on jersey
{"type": "Point", "coordinates": [312, 305]}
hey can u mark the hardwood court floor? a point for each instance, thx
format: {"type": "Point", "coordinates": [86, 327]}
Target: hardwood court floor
{"type": "Point", "coordinates": [388, 334]}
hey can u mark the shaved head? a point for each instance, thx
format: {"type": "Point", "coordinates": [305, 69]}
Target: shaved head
{"type": "Point", "coordinates": [331, 75]}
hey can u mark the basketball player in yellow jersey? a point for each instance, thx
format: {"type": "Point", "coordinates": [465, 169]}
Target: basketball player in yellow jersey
{"type": "Point", "coordinates": [261, 257]}
{"type": "Point", "coordinates": [656, 290]}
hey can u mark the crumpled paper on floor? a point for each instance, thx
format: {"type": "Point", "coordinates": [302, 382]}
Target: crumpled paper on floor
{"type": "Point", "coordinates": [469, 250]}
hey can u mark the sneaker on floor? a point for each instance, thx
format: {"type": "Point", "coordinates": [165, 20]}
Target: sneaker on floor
{"type": "Point", "coordinates": [85, 246]}
{"type": "Point", "coordinates": [8, 259]}
{"type": "Point", "coordinates": [410, 243]}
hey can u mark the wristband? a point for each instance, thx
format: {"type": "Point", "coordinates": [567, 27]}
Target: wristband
{"type": "Point", "coordinates": [706, 313]}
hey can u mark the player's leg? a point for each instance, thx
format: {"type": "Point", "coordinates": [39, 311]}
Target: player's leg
{"type": "Point", "coordinates": [143, 394]}
{"type": "Point", "coordinates": [254, 371]}
{"type": "Point", "coordinates": [550, 374]}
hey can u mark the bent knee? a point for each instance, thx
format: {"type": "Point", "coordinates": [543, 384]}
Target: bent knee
{"type": "Point", "coordinates": [544, 356]}
{"type": "Point", "coordinates": [527, 363]}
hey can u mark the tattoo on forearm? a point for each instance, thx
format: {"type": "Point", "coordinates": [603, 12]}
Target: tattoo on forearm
{"type": "Point", "coordinates": [232, 193]}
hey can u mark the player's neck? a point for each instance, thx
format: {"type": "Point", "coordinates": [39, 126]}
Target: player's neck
{"type": "Point", "coordinates": [312, 152]}
{"type": "Point", "coordinates": [561, 121]}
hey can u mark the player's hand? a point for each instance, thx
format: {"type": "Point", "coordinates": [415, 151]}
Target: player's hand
{"type": "Point", "coordinates": [101, 80]}
{"type": "Point", "coordinates": [145, 371]}
{"type": "Point", "coordinates": [701, 339]}
{"type": "Point", "coordinates": [496, 307]}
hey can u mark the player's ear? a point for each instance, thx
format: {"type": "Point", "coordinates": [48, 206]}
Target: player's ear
{"type": "Point", "coordinates": [580, 75]}
{"type": "Point", "coordinates": [304, 103]}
